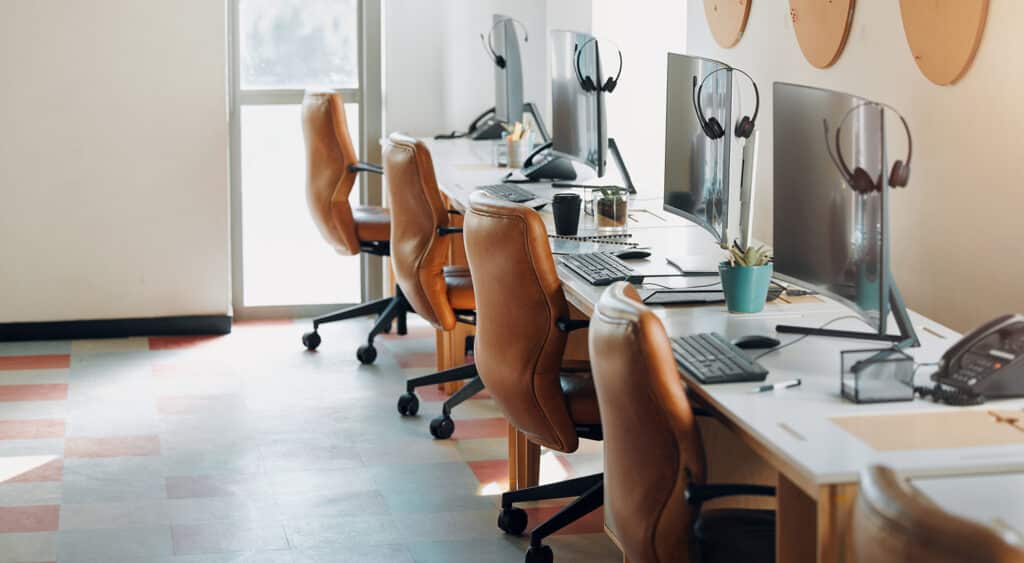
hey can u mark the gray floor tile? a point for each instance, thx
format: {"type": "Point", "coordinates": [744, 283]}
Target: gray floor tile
{"type": "Point", "coordinates": [36, 348]}
{"type": "Point", "coordinates": [30, 494]}
{"type": "Point", "coordinates": [227, 537]}
{"type": "Point", "coordinates": [41, 546]}
{"type": "Point", "coordinates": [94, 546]}
{"type": "Point", "coordinates": [33, 376]}
{"type": "Point", "coordinates": [34, 410]}
{"type": "Point", "coordinates": [113, 479]}
{"type": "Point", "coordinates": [343, 532]}
{"type": "Point", "coordinates": [47, 446]}
{"type": "Point", "coordinates": [114, 515]}
{"type": "Point", "coordinates": [354, 554]}
{"type": "Point", "coordinates": [501, 549]}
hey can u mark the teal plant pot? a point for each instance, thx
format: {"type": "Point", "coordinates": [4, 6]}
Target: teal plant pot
{"type": "Point", "coordinates": [745, 287]}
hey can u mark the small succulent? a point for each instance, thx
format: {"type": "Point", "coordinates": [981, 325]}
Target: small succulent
{"type": "Point", "coordinates": [750, 256]}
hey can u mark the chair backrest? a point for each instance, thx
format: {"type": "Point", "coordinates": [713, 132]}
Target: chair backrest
{"type": "Point", "coordinates": [893, 523]}
{"type": "Point", "coordinates": [518, 347]}
{"type": "Point", "coordinates": [329, 153]}
{"type": "Point", "coordinates": [652, 444]}
{"type": "Point", "coordinates": [418, 252]}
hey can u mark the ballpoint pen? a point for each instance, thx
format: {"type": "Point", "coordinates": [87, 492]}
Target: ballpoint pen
{"type": "Point", "coordinates": [779, 385]}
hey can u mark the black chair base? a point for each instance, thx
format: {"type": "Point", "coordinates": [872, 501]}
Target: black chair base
{"type": "Point", "coordinates": [589, 493]}
{"type": "Point", "coordinates": [442, 426]}
{"type": "Point", "coordinates": [390, 310]}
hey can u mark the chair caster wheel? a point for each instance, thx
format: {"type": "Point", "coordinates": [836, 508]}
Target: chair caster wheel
{"type": "Point", "coordinates": [408, 404]}
{"type": "Point", "coordinates": [540, 554]}
{"type": "Point", "coordinates": [442, 427]}
{"type": "Point", "coordinates": [311, 340]}
{"type": "Point", "coordinates": [366, 354]}
{"type": "Point", "coordinates": [512, 520]}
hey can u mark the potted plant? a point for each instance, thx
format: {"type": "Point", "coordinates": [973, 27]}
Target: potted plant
{"type": "Point", "coordinates": [746, 276]}
{"type": "Point", "coordinates": [611, 207]}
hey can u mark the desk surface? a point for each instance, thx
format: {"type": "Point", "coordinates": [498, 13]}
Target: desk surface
{"type": "Point", "coordinates": [794, 425]}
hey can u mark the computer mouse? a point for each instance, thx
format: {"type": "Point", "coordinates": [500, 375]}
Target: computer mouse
{"type": "Point", "coordinates": [755, 342]}
{"type": "Point", "coordinates": [632, 254]}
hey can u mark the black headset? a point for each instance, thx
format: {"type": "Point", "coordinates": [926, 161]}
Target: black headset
{"type": "Point", "coordinates": [587, 82]}
{"type": "Point", "coordinates": [712, 128]}
{"type": "Point", "coordinates": [488, 41]}
{"type": "Point", "coordinates": [859, 179]}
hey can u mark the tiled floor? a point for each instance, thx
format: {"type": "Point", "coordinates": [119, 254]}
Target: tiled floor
{"type": "Point", "coordinates": [247, 448]}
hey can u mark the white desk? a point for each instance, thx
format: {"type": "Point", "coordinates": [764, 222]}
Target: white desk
{"type": "Point", "coordinates": [817, 461]}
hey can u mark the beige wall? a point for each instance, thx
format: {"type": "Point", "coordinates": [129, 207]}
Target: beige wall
{"type": "Point", "coordinates": [113, 159]}
{"type": "Point", "coordinates": [957, 229]}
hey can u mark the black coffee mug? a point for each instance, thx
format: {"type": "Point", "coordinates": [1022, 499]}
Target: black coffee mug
{"type": "Point", "coordinates": [566, 208]}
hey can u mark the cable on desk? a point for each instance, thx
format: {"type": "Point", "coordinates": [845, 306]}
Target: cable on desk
{"type": "Point", "coordinates": [799, 338]}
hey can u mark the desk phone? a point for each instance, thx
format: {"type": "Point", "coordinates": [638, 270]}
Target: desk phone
{"type": "Point", "coordinates": [988, 362]}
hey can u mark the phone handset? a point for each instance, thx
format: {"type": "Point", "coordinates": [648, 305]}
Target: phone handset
{"type": "Point", "coordinates": [473, 126]}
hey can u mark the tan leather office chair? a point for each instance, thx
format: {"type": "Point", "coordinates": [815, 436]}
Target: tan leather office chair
{"type": "Point", "coordinates": [654, 458]}
{"type": "Point", "coordinates": [441, 294]}
{"type": "Point", "coordinates": [332, 168]}
{"type": "Point", "coordinates": [522, 328]}
{"type": "Point", "coordinates": [893, 523]}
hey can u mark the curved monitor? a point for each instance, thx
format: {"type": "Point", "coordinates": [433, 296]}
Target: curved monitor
{"type": "Point", "coordinates": [826, 236]}
{"type": "Point", "coordinates": [697, 167]}
{"type": "Point", "coordinates": [580, 129]}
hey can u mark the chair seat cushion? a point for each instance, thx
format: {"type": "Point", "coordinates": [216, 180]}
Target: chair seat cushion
{"type": "Point", "coordinates": [580, 396]}
{"type": "Point", "coordinates": [372, 223]}
{"type": "Point", "coordinates": [728, 535]}
{"type": "Point", "coordinates": [460, 288]}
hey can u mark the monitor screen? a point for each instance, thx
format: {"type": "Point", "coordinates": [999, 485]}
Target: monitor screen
{"type": "Point", "coordinates": [696, 166]}
{"type": "Point", "coordinates": [580, 131]}
{"type": "Point", "coordinates": [508, 81]}
{"type": "Point", "coordinates": [827, 236]}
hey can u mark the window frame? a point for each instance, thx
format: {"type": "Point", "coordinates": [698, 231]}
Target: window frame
{"type": "Point", "coordinates": [369, 98]}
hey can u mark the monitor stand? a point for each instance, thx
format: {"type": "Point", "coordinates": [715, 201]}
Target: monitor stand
{"type": "Point", "coordinates": [491, 129]}
{"type": "Point", "coordinates": [613, 148]}
{"type": "Point", "coordinates": [907, 338]}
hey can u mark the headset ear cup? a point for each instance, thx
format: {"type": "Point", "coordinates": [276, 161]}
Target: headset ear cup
{"type": "Point", "coordinates": [609, 85]}
{"type": "Point", "coordinates": [500, 61]}
{"type": "Point", "coordinates": [861, 182]}
{"type": "Point", "coordinates": [715, 130]}
{"type": "Point", "coordinates": [900, 175]}
{"type": "Point", "coordinates": [744, 128]}
{"type": "Point", "coordinates": [588, 84]}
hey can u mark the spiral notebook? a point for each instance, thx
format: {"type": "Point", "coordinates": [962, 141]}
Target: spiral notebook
{"type": "Point", "coordinates": [584, 244]}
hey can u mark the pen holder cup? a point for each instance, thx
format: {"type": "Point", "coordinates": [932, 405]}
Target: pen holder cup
{"type": "Point", "coordinates": [611, 210]}
{"type": "Point", "coordinates": [876, 376]}
{"type": "Point", "coordinates": [518, 151]}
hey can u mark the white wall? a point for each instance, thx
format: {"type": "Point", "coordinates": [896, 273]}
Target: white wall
{"type": "Point", "coordinates": [636, 109]}
{"type": "Point", "coordinates": [956, 249]}
{"type": "Point", "coordinates": [114, 159]}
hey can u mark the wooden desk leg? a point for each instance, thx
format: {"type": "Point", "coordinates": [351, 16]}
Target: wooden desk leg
{"type": "Point", "coordinates": [809, 531]}
{"type": "Point", "coordinates": [523, 461]}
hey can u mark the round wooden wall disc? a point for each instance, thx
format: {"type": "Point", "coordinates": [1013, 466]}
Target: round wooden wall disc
{"type": "Point", "coordinates": [943, 35]}
{"type": "Point", "coordinates": [821, 28]}
{"type": "Point", "coordinates": [727, 19]}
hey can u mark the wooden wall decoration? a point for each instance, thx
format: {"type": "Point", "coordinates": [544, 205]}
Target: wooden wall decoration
{"type": "Point", "coordinates": [821, 28]}
{"type": "Point", "coordinates": [943, 35]}
{"type": "Point", "coordinates": [727, 19]}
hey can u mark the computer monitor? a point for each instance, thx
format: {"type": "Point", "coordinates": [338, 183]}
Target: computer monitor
{"type": "Point", "coordinates": [697, 167]}
{"type": "Point", "coordinates": [827, 236]}
{"type": "Point", "coordinates": [580, 128]}
{"type": "Point", "coordinates": [508, 81]}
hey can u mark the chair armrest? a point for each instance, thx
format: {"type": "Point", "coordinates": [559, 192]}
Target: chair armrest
{"type": "Point", "coordinates": [454, 212]}
{"type": "Point", "coordinates": [445, 231]}
{"type": "Point", "coordinates": [569, 325]}
{"type": "Point", "coordinates": [697, 494]}
{"type": "Point", "coordinates": [366, 167]}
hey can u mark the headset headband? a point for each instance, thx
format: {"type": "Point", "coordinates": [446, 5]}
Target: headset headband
{"type": "Point", "coordinates": [579, 73]}
{"type": "Point", "coordinates": [757, 93]}
{"type": "Point", "coordinates": [488, 40]}
{"type": "Point", "coordinates": [882, 106]}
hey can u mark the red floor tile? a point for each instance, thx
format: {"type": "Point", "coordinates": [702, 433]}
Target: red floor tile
{"type": "Point", "coordinates": [56, 361]}
{"type": "Point", "coordinates": [592, 523]}
{"type": "Point", "coordinates": [417, 360]}
{"type": "Point", "coordinates": [475, 428]}
{"type": "Point", "coordinates": [34, 392]}
{"type": "Point", "coordinates": [52, 471]}
{"type": "Point", "coordinates": [31, 429]}
{"type": "Point", "coordinates": [490, 471]}
{"type": "Point", "coordinates": [179, 342]}
{"type": "Point", "coordinates": [120, 446]}
{"type": "Point", "coordinates": [44, 518]}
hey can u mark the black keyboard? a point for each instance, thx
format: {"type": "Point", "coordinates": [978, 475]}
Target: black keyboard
{"type": "Point", "coordinates": [710, 358]}
{"type": "Point", "coordinates": [509, 192]}
{"type": "Point", "coordinates": [598, 268]}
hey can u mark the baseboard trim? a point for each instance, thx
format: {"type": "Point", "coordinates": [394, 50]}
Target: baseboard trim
{"type": "Point", "coordinates": [117, 328]}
